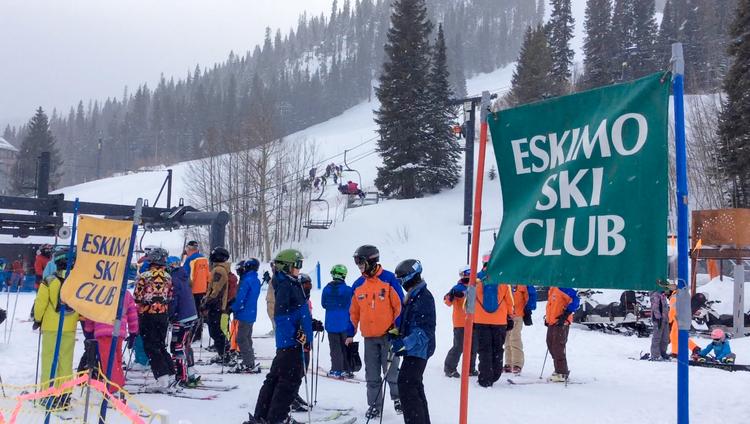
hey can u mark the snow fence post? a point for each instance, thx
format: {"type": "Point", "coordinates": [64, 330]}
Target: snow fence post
{"type": "Point", "coordinates": [118, 317]}
{"type": "Point", "coordinates": [470, 291]}
{"type": "Point", "coordinates": [317, 273]}
{"type": "Point", "coordinates": [683, 296]}
{"type": "Point", "coordinates": [61, 320]}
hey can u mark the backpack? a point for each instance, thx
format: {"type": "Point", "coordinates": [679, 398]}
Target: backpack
{"type": "Point", "coordinates": [232, 284]}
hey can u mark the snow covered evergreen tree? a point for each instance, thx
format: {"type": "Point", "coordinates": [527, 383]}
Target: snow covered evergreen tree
{"type": "Point", "coordinates": [622, 35]}
{"type": "Point", "coordinates": [667, 34]}
{"type": "Point", "coordinates": [644, 38]}
{"type": "Point", "coordinates": [532, 78]}
{"type": "Point", "coordinates": [38, 139]}
{"type": "Point", "coordinates": [404, 101]}
{"type": "Point", "coordinates": [442, 151]}
{"type": "Point", "coordinates": [734, 126]}
{"type": "Point", "coordinates": [597, 47]}
{"type": "Point", "coordinates": [560, 32]}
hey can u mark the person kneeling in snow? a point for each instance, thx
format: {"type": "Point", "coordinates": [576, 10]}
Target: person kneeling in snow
{"type": "Point", "coordinates": [720, 347]}
{"type": "Point", "coordinates": [414, 340]}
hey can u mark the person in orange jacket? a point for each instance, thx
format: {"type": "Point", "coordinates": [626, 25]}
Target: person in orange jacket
{"type": "Point", "coordinates": [674, 328]}
{"type": "Point", "coordinates": [524, 301]}
{"type": "Point", "coordinates": [491, 321]}
{"type": "Point", "coordinates": [562, 302]}
{"type": "Point", "coordinates": [375, 310]}
{"type": "Point", "coordinates": [455, 298]}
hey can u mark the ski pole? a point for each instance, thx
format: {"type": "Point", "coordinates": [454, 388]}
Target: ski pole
{"type": "Point", "coordinates": [316, 376]}
{"type": "Point", "coordinates": [2, 385]}
{"type": "Point", "coordinates": [13, 318]}
{"type": "Point", "coordinates": [7, 307]}
{"type": "Point", "coordinates": [381, 390]}
{"type": "Point", "coordinates": [130, 362]}
{"type": "Point", "coordinates": [38, 352]}
{"type": "Point", "coordinates": [544, 363]}
{"type": "Point", "coordinates": [307, 393]}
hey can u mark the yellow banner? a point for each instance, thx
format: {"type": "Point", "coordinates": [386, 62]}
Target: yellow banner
{"type": "Point", "coordinates": [93, 286]}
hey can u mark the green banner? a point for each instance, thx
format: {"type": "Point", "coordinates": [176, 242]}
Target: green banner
{"type": "Point", "coordinates": [584, 187]}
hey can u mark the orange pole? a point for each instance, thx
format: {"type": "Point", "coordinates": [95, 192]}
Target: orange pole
{"type": "Point", "coordinates": [470, 293]}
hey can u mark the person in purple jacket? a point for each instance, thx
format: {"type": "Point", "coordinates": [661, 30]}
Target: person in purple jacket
{"type": "Point", "coordinates": [660, 319]}
{"type": "Point", "coordinates": [183, 317]}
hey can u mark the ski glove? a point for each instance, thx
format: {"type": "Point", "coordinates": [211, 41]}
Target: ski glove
{"type": "Point", "coordinates": [393, 333]}
{"type": "Point", "coordinates": [397, 346]}
{"type": "Point", "coordinates": [131, 340]}
{"type": "Point", "coordinates": [317, 325]}
{"type": "Point", "coordinates": [527, 317]}
{"type": "Point", "coordinates": [301, 337]}
{"type": "Point", "coordinates": [458, 294]}
{"type": "Point", "coordinates": [509, 326]}
{"type": "Point", "coordinates": [36, 325]}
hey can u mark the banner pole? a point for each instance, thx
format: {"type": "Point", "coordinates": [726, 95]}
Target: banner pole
{"type": "Point", "coordinates": [118, 317]}
{"type": "Point", "coordinates": [61, 319]}
{"type": "Point", "coordinates": [683, 297]}
{"type": "Point", "coordinates": [471, 290]}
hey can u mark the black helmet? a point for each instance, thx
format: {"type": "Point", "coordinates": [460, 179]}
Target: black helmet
{"type": "Point", "coordinates": [157, 256]}
{"type": "Point", "coordinates": [409, 272]}
{"type": "Point", "coordinates": [368, 255]}
{"type": "Point", "coordinates": [306, 282]}
{"type": "Point", "coordinates": [219, 254]}
{"type": "Point", "coordinates": [247, 265]}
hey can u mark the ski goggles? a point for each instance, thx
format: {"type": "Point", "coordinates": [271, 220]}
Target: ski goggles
{"type": "Point", "coordinates": [297, 264]}
{"type": "Point", "coordinates": [360, 260]}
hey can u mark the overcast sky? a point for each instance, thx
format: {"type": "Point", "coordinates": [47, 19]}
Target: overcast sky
{"type": "Point", "coordinates": [55, 52]}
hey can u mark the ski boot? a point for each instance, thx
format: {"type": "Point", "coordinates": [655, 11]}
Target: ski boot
{"type": "Point", "coordinates": [473, 373]}
{"type": "Point", "coordinates": [347, 374]}
{"type": "Point", "coordinates": [507, 368]}
{"type": "Point", "coordinates": [162, 384]}
{"type": "Point", "coordinates": [245, 369]}
{"type": "Point", "coordinates": [253, 420]}
{"type": "Point", "coordinates": [335, 374]}
{"type": "Point", "coordinates": [372, 412]}
{"type": "Point", "coordinates": [558, 378]}
{"type": "Point", "coordinates": [728, 361]}
{"type": "Point", "coordinates": [397, 407]}
{"type": "Point", "coordinates": [452, 374]}
{"type": "Point", "coordinates": [299, 405]}
{"type": "Point", "coordinates": [516, 370]}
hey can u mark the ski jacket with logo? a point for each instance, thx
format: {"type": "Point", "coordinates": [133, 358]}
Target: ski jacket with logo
{"type": "Point", "coordinates": [129, 323]}
{"type": "Point", "coordinates": [217, 293]}
{"type": "Point", "coordinates": [524, 298]}
{"type": "Point", "coordinates": [197, 268]}
{"type": "Point", "coordinates": [494, 303]}
{"type": "Point", "coordinates": [291, 312]}
{"type": "Point", "coordinates": [46, 306]}
{"type": "Point", "coordinates": [245, 305]}
{"type": "Point", "coordinates": [417, 327]}
{"type": "Point", "coordinates": [153, 291]}
{"type": "Point", "coordinates": [561, 300]}
{"type": "Point", "coordinates": [182, 307]}
{"type": "Point", "coordinates": [337, 300]}
{"type": "Point", "coordinates": [458, 303]}
{"type": "Point", "coordinates": [720, 350]}
{"type": "Point", "coordinates": [376, 304]}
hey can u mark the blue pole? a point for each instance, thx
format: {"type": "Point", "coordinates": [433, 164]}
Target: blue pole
{"type": "Point", "coordinates": [317, 271]}
{"type": "Point", "coordinates": [61, 320]}
{"type": "Point", "coordinates": [118, 317]}
{"type": "Point", "coordinates": [683, 302]}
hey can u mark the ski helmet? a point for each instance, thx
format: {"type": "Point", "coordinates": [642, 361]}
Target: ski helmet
{"type": "Point", "coordinates": [464, 271]}
{"type": "Point", "coordinates": [368, 255]}
{"type": "Point", "coordinates": [486, 257]}
{"type": "Point", "coordinates": [409, 272]}
{"type": "Point", "coordinates": [173, 262]}
{"type": "Point", "coordinates": [157, 256]}
{"type": "Point", "coordinates": [306, 282]}
{"type": "Point", "coordinates": [60, 258]}
{"type": "Point", "coordinates": [717, 334]}
{"type": "Point", "coordinates": [338, 271]}
{"type": "Point", "coordinates": [288, 259]}
{"type": "Point", "coordinates": [219, 254]}
{"type": "Point", "coordinates": [252, 264]}
{"type": "Point", "coordinates": [45, 250]}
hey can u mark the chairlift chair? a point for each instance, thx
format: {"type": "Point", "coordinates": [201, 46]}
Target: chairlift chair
{"type": "Point", "coordinates": [318, 224]}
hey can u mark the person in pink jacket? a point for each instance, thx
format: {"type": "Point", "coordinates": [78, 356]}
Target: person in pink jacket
{"type": "Point", "coordinates": [103, 334]}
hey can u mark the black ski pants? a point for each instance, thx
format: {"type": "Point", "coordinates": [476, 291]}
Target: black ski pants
{"type": "Point", "coordinates": [557, 339]}
{"type": "Point", "coordinates": [490, 339]}
{"type": "Point", "coordinates": [198, 328]}
{"type": "Point", "coordinates": [339, 352]}
{"type": "Point", "coordinates": [214, 330]}
{"type": "Point", "coordinates": [153, 328]}
{"type": "Point", "coordinates": [411, 391]}
{"type": "Point", "coordinates": [454, 354]}
{"type": "Point", "coordinates": [281, 385]}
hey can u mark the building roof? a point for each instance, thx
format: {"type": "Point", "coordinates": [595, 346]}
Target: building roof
{"type": "Point", "coordinates": [5, 145]}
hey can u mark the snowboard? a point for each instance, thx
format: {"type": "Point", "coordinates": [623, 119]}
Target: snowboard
{"type": "Point", "coordinates": [721, 366]}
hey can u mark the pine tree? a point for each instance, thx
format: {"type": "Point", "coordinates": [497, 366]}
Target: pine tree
{"type": "Point", "coordinates": [597, 47]}
{"type": "Point", "coordinates": [38, 139]}
{"type": "Point", "coordinates": [403, 97]}
{"type": "Point", "coordinates": [560, 32]}
{"type": "Point", "coordinates": [531, 79]}
{"type": "Point", "coordinates": [667, 34]}
{"type": "Point", "coordinates": [734, 125]}
{"type": "Point", "coordinates": [644, 38]}
{"type": "Point", "coordinates": [622, 35]}
{"type": "Point", "coordinates": [442, 154]}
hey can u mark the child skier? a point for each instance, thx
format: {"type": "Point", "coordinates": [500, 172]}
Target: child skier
{"type": "Point", "coordinates": [103, 335]}
{"type": "Point", "coordinates": [215, 302]}
{"type": "Point", "coordinates": [376, 306]}
{"type": "Point", "coordinates": [414, 340]}
{"type": "Point", "coordinates": [561, 304]}
{"type": "Point", "coordinates": [455, 298]}
{"type": "Point", "coordinates": [719, 347]}
{"type": "Point", "coordinates": [524, 301]}
{"type": "Point", "coordinates": [336, 300]}
{"type": "Point", "coordinates": [183, 317]}
{"type": "Point", "coordinates": [293, 338]}
{"type": "Point", "coordinates": [245, 308]}
{"type": "Point", "coordinates": [659, 317]}
{"type": "Point", "coordinates": [153, 294]}
{"type": "Point", "coordinates": [47, 316]}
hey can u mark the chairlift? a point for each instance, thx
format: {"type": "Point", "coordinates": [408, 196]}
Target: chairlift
{"type": "Point", "coordinates": [318, 224]}
{"type": "Point", "coordinates": [353, 200]}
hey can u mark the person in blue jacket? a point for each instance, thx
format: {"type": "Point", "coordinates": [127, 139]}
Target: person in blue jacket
{"type": "Point", "coordinates": [245, 309]}
{"type": "Point", "coordinates": [719, 347]}
{"type": "Point", "coordinates": [183, 317]}
{"type": "Point", "coordinates": [336, 300]}
{"type": "Point", "coordinates": [414, 340]}
{"type": "Point", "coordinates": [293, 337]}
